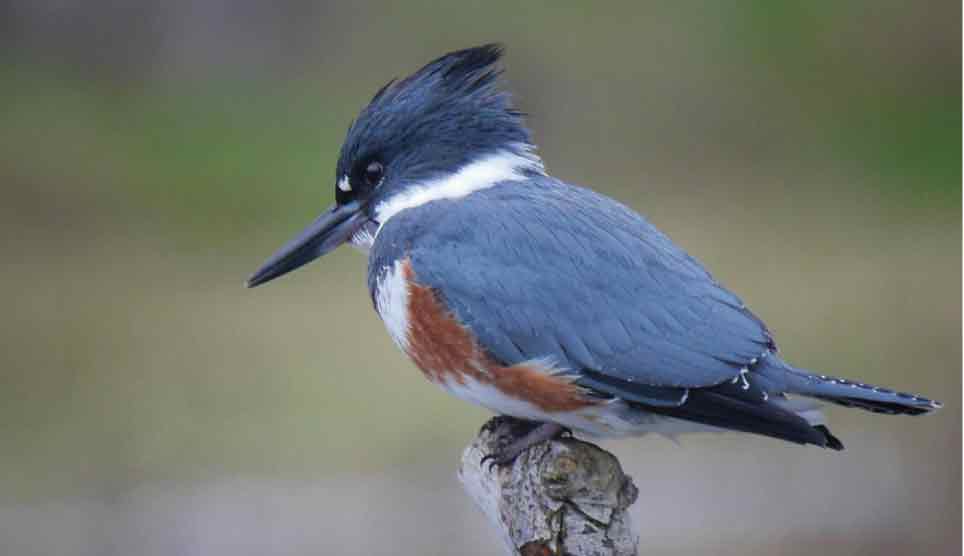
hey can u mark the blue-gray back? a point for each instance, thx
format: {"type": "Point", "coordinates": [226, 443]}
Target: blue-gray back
{"type": "Point", "coordinates": [543, 269]}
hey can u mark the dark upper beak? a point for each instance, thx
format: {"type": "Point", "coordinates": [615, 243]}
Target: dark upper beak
{"type": "Point", "coordinates": [328, 231]}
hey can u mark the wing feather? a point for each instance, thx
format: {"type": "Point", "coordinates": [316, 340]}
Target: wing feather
{"type": "Point", "coordinates": [549, 270]}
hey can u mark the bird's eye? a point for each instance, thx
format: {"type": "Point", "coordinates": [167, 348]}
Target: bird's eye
{"type": "Point", "coordinates": [373, 173]}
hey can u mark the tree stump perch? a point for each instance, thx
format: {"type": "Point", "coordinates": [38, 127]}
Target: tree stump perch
{"type": "Point", "coordinates": [562, 497]}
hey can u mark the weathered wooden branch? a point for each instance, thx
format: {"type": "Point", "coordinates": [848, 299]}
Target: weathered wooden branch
{"type": "Point", "coordinates": [564, 497]}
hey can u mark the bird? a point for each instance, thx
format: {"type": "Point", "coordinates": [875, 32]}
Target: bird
{"type": "Point", "coordinates": [547, 303]}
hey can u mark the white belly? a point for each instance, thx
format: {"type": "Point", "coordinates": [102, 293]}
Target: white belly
{"type": "Point", "coordinates": [613, 418]}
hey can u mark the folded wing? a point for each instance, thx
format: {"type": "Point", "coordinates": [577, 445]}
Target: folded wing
{"type": "Point", "coordinates": [548, 270]}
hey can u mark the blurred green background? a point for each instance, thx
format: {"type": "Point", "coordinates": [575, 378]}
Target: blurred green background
{"type": "Point", "coordinates": [152, 154]}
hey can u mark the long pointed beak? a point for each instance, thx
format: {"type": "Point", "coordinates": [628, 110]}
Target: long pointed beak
{"type": "Point", "coordinates": [328, 231]}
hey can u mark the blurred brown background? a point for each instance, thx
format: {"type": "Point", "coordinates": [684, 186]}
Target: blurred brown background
{"type": "Point", "coordinates": [152, 154]}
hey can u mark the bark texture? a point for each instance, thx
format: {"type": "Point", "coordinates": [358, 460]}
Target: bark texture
{"type": "Point", "coordinates": [563, 497]}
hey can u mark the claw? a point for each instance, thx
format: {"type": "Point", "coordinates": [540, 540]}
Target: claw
{"type": "Point", "coordinates": [493, 460]}
{"type": "Point", "coordinates": [497, 459]}
{"type": "Point", "coordinates": [487, 462]}
{"type": "Point", "coordinates": [486, 458]}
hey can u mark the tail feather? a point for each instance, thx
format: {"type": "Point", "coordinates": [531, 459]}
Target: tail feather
{"type": "Point", "coordinates": [719, 408]}
{"type": "Point", "coordinates": [849, 393]}
{"type": "Point", "coordinates": [833, 442]}
{"type": "Point", "coordinates": [755, 401]}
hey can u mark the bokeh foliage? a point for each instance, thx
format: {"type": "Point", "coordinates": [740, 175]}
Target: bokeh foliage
{"type": "Point", "coordinates": [152, 154]}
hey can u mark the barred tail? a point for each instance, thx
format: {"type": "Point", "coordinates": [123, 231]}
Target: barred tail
{"type": "Point", "coordinates": [849, 393]}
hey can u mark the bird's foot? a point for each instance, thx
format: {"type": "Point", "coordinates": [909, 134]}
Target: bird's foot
{"type": "Point", "coordinates": [535, 434]}
{"type": "Point", "coordinates": [518, 426]}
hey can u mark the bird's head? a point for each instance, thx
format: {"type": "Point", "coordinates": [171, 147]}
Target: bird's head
{"type": "Point", "coordinates": [443, 132]}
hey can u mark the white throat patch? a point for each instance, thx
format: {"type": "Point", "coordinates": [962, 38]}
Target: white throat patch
{"type": "Point", "coordinates": [481, 174]}
{"type": "Point", "coordinates": [391, 302]}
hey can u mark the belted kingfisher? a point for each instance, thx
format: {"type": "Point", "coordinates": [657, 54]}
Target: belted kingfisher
{"type": "Point", "coordinates": [541, 300]}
